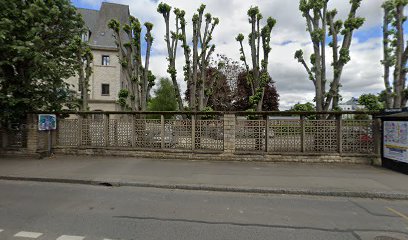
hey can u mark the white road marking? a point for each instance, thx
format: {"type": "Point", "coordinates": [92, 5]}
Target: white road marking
{"type": "Point", "coordinates": [66, 237]}
{"type": "Point", "coordinates": [1, 230]}
{"type": "Point", "coordinates": [28, 234]}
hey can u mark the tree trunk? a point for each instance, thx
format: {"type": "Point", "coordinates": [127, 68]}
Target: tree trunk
{"type": "Point", "coordinates": [193, 85]}
{"type": "Point", "coordinates": [398, 56]}
{"type": "Point", "coordinates": [386, 61]}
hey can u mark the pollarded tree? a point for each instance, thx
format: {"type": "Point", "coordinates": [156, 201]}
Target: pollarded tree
{"type": "Point", "coordinates": [37, 52]}
{"type": "Point", "coordinates": [84, 58]}
{"type": "Point", "coordinates": [195, 70]}
{"type": "Point", "coordinates": [139, 78]}
{"type": "Point", "coordinates": [395, 53]}
{"type": "Point", "coordinates": [258, 77]}
{"type": "Point", "coordinates": [171, 39]}
{"type": "Point", "coordinates": [321, 23]}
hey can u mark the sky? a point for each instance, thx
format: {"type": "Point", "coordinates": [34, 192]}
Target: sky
{"type": "Point", "coordinates": [363, 74]}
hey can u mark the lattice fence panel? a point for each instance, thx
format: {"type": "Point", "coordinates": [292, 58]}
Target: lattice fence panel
{"type": "Point", "coordinates": [68, 133]}
{"type": "Point", "coordinates": [147, 133]}
{"type": "Point", "coordinates": [120, 133]}
{"type": "Point", "coordinates": [93, 132]}
{"type": "Point", "coordinates": [209, 134]}
{"type": "Point", "coordinates": [357, 136]}
{"type": "Point", "coordinates": [250, 135]}
{"type": "Point", "coordinates": [284, 136]}
{"type": "Point", "coordinates": [321, 136]}
{"type": "Point", "coordinates": [177, 134]}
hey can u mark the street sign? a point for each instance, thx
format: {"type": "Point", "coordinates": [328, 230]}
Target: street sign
{"type": "Point", "coordinates": [47, 122]}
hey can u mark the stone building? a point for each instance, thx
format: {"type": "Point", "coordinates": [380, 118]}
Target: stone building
{"type": "Point", "coordinates": [107, 77]}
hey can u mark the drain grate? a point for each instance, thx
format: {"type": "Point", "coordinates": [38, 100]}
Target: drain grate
{"type": "Point", "coordinates": [106, 184]}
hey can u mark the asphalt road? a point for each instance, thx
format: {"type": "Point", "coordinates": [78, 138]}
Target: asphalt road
{"type": "Point", "coordinates": [50, 211]}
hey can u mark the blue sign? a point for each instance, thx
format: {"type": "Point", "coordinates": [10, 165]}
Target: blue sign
{"type": "Point", "coordinates": [47, 122]}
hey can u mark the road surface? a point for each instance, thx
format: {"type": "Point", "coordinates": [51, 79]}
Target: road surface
{"type": "Point", "coordinates": [51, 211]}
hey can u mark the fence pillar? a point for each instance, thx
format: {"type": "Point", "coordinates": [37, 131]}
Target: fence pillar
{"type": "Point", "coordinates": [377, 136]}
{"type": "Point", "coordinates": [162, 131]}
{"type": "Point", "coordinates": [32, 133]}
{"type": "Point", "coordinates": [339, 132]}
{"type": "Point", "coordinates": [229, 133]}
{"type": "Point", "coordinates": [193, 128]}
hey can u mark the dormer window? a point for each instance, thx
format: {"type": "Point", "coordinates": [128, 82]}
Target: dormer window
{"type": "Point", "coordinates": [85, 36]}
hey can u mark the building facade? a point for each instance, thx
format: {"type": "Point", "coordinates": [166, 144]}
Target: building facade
{"type": "Point", "coordinates": [107, 77]}
{"type": "Point", "coordinates": [350, 105]}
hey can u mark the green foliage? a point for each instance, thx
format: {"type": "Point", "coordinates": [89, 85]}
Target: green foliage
{"type": "Point", "coordinates": [201, 8]}
{"type": "Point", "coordinates": [271, 22]}
{"type": "Point", "coordinates": [163, 8]}
{"type": "Point", "coordinates": [151, 79]}
{"type": "Point", "coordinates": [38, 50]}
{"type": "Point", "coordinates": [240, 37]}
{"type": "Point", "coordinates": [123, 93]}
{"type": "Point", "coordinates": [361, 117]}
{"type": "Point", "coordinates": [317, 35]}
{"type": "Point", "coordinates": [165, 97]}
{"type": "Point", "coordinates": [114, 25]}
{"type": "Point", "coordinates": [208, 117]}
{"type": "Point", "coordinates": [371, 102]}
{"type": "Point", "coordinates": [305, 107]}
{"type": "Point", "coordinates": [253, 12]}
{"type": "Point", "coordinates": [149, 26]}
{"type": "Point", "coordinates": [299, 55]}
{"type": "Point", "coordinates": [195, 18]}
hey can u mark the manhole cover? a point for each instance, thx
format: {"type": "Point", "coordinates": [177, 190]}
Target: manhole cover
{"type": "Point", "coordinates": [385, 238]}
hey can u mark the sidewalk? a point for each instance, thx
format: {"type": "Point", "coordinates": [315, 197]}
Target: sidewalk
{"type": "Point", "coordinates": [309, 179]}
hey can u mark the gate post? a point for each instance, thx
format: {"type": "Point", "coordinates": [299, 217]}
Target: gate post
{"type": "Point", "coordinates": [377, 136]}
{"type": "Point", "coordinates": [229, 133]}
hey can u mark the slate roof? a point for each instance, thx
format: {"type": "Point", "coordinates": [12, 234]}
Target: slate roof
{"type": "Point", "coordinates": [97, 23]}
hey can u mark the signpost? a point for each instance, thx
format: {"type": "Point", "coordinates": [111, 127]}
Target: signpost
{"type": "Point", "coordinates": [47, 122]}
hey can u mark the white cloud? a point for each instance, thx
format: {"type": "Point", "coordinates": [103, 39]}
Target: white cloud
{"type": "Point", "coordinates": [361, 75]}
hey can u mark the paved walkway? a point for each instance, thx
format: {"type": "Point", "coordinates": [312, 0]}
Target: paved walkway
{"type": "Point", "coordinates": [293, 178]}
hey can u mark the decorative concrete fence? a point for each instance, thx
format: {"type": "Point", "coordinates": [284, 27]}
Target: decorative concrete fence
{"type": "Point", "coordinates": [226, 133]}
{"type": "Point", "coordinates": [265, 136]}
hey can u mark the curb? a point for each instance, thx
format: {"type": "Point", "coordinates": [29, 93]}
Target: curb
{"type": "Point", "coordinates": [197, 187]}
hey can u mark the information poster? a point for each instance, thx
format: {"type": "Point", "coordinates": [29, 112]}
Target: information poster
{"type": "Point", "coordinates": [396, 140]}
{"type": "Point", "coordinates": [47, 122]}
